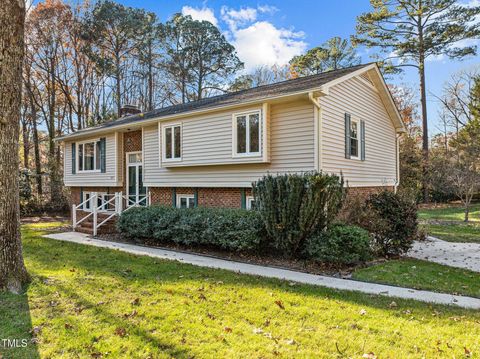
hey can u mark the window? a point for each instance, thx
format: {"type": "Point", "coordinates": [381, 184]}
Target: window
{"type": "Point", "coordinates": [246, 134]}
{"type": "Point", "coordinates": [185, 201]}
{"type": "Point", "coordinates": [250, 202]}
{"type": "Point", "coordinates": [89, 156]}
{"type": "Point", "coordinates": [172, 143]}
{"type": "Point", "coordinates": [354, 139]}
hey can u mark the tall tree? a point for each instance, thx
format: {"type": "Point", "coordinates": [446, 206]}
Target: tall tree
{"type": "Point", "coordinates": [12, 19]}
{"type": "Point", "coordinates": [114, 31]}
{"type": "Point", "coordinates": [198, 58]}
{"type": "Point", "coordinates": [411, 31]}
{"type": "Point", "coordinates": [334, 54]}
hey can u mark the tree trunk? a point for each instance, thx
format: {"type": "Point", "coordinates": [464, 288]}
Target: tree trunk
{"type": "Point", "coordinates": [423, 99]}
{"type": "Point", "coordinates": [13, 274]}
{"type": "Point", "coordinates": [36, 150]}
{"type": "Point", "coordinates": [467, 212]}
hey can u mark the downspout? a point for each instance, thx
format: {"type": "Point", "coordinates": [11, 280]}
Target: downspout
{"type": "Point", "coordinates": [317, 127]}
{"type": "Point", "coordinates": [397, 161]}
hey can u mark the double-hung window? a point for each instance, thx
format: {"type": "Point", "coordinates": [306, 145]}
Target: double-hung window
{"type": "Point", "coordinates": [185, 200]}
{"type": "Point", "coordinates": [247, 134]}
{"type": "Point", "coordinates": [250, 202]}
{"type": "Point", "coordinates": [89, 156]}
{"type": "Point", "coordinates": [172, 142]}
{"type": "Point", "coordinates": [354, 138]}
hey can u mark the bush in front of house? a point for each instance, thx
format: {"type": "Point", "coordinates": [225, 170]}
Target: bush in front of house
{"type": "Point", "coordinates": [340, 244]}
{"type": "Point", "coordinates": [230, 229]}
{"type": "Point", "coordinates": [295, 206]}
{"type": "Point", "coordinates": [392, 221]}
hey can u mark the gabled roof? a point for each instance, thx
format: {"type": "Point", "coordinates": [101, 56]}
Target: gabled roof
{"type": "Point", "coordinates": [256, 94]}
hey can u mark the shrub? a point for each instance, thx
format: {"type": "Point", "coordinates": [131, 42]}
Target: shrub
{"type": "Point", "coordinates": [392, 221]}
{"type": "Point", "coordinates": [340, 244]}
{"type": "Point", "coordinates": [231, 229]}
{"type": "Point", "coordinates": [294, 206]}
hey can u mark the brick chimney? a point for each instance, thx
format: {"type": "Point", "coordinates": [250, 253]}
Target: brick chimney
{"type": "Point", "coordinates": [128, 110]}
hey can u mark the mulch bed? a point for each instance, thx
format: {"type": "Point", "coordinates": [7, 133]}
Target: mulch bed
{"type": "Point", "coordinates": [302, 265]}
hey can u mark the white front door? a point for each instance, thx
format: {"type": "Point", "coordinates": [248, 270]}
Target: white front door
{"type": "Point", "coordinates": [136, 191]}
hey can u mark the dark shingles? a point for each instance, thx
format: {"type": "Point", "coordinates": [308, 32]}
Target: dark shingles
{"type": "Point", "coordinates": [233, 98]}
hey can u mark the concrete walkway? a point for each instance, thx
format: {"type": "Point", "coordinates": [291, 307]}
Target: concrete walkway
{"type": "Point", "coordinates": [270, 272]}
{"type": "Point", "coordinates": [460, 255]}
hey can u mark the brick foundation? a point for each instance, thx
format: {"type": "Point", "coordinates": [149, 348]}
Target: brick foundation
{"type": "Point", "coordinates": [207, 197]}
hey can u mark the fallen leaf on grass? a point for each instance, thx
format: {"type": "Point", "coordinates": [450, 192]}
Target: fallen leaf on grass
{"type": "Point", "coordinates": [257, 331]}
{"type": "Point", "coordinates": [136, 301]}
{"type": "Point", "coordinates": [369, 356]}
{"type": "Point", "coordinates": [130, 315]}
{"type": "Point", "coordinates": [363, 312]}
{"type": "Point", "coordinates": [121, 332]}
{"type": "Point", "coordinates": [290, 341]}
{"type": "Point", "coordinates": [202, 297]}
{"type": "Point", "coordinates": [227, 329]}
{"type": "Point", "coordinates": [468, 352]}
{"type": "Point", "coordinates": [68, 326]}
{"type": "Point", "coordinates": [393, 305]}
{"type": "Point", "coordinates": [96, 355]}
{"type": "Point", "coordinates": [280, 304]}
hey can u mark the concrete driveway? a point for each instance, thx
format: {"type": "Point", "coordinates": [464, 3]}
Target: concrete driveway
{"type": "Point", "coordinates": [460, 255]}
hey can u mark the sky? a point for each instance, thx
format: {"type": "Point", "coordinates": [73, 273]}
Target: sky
{"type": "Point", "coordinates": [273, 31]}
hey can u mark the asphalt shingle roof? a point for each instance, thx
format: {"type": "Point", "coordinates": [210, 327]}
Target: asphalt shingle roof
{"type": "Point", "coordinates": [233, 98]}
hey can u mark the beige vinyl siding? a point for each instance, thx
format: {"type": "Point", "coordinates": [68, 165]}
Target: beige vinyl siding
{"type": "Point", "coordinates": [362, 102]}
{"type": "Point", "coordinates": [94, 179]}
{"type": "Point", "coordinates": [207, 140]}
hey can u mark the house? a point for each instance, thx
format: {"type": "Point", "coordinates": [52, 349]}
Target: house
{"type": "Point", "coordinates": [208, 152]}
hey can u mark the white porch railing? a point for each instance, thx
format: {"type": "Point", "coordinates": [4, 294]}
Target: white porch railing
{"type": "Point", "coordinates": [93, 208]}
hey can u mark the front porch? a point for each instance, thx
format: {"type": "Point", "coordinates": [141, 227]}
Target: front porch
{"type": "Point", "coordinates": [99, 211]}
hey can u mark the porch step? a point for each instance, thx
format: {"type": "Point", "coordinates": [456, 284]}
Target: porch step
{"type": "Point", "coordinates": [86, 226]}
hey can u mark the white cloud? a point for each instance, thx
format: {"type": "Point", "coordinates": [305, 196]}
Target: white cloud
{"type": "Point", "coordinates": [235, 18]}
{"type": "Point", "coordinates": [204, 13]}
{"type": "Point", "coordinates": [263, 44]}
{"type": "Point", "coordinates": [267, 9]}
{"type": "Point", "coordinates": [259, 42]}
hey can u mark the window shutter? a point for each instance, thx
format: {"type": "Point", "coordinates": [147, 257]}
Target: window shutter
{"type": "Point", "coordinates": [103, 157]}
{"type": "Point", "coordinates": [243, 199]}
{"type": "Point", "coordinates": [195, 198]}
{"type": "Point", "coordinates": [74, 158]}
{"type": "Point", "coordinates": [174, 197]}
{"type": "Point", "coordinates": [362, 140]}
{"type": "Point", "coordinates": [347, 135]}
{"type": "Point", "coordinates": [81, 196]}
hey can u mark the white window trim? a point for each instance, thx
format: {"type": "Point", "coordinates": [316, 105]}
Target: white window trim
{"type": "Point", "coordinates": [187, 196]}
{"type": "Point", "coordinates": [164, 142]}
{"type": "Point", "coordinates": [77, 153]}
{"type": "Point", "coordinates": [261, 124]}
{"type": "Point", "coordinates": [248, 202]}
{"type": "Point", "coordinates": [359, 149]}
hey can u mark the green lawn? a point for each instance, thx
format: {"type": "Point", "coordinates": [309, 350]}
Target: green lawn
{"type": "Point", "coordinates": [423, 275]}
{"type": "Point", "coordinates": [455, 232]}
{"type": "Point", "coordinates": [451, 213]}
{"type": "Point", "coordinates": [86, 302]}
{"type": "Point", "coordinates": [447, 223]}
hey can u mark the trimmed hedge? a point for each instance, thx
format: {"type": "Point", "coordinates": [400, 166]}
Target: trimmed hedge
{"type": "Point", "coordinates": [230, 229]}
{"type": "Point", "coordinates": [340, 244]}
